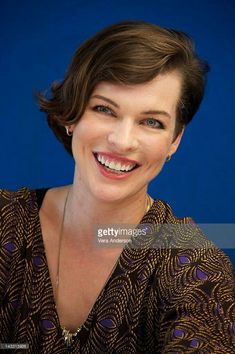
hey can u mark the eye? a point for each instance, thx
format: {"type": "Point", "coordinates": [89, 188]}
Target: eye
{"type": "Point", "coordinates": [153, 123]}
{"type": "Point", "coordinates": [103, 109]}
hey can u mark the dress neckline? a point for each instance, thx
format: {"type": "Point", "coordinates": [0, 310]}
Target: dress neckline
{"type": "Point", "coordinates": [40, 193]}
{"type": "Point", "coordinates": [92, 310]}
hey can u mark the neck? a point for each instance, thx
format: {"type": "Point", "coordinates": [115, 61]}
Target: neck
{"type": "Point", "coordinates": [83, 211]}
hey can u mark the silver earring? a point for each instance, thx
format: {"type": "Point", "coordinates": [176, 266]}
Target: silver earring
{"type": "Point", "coordinates": [69, 133]}
{"type": "Point", "coordinates": [168, 158]}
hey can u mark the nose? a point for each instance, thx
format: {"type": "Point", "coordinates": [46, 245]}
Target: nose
{"type": "Point", "coordinates": [122, 137]}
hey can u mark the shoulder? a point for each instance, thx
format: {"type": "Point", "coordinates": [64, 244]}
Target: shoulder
{"type": "Point", "coordinates": [19, 194]}
{"type": "Point", "coordinates": [16, 208]}
{"type": "Point", "coordinates": [11, 200]}
{"type": "Point", "coordinates": [183, 232]}
{"type": "Point", "coordinates": [162, 212]}
{"type": "Point", "coordinates": [189, 260]}
{"type": "Point", "coordinates": [177, 232]}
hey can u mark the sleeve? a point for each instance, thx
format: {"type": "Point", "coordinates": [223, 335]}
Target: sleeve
{"type": "Point", "coordinates": [7, 245]}
{"type": "Point", "coordinates": [14, 226]}
{"type": "Point", "coordinates": [197, 303]}
{"type": "Point", "coordinates": [14, 216]}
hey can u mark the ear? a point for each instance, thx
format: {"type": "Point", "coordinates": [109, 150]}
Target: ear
{"type": "Point", "coordinates": [70, 128]}
{"type": "Point", "coordinates": [175, 144]}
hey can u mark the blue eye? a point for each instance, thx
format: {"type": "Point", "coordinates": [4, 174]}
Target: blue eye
{"type": "Point", "coordinates": [103, 109]}
{"type": "Point", "coordinates": [153, 123]}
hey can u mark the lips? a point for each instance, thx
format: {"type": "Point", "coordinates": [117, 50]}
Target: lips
{"type": "Point", "coordinates": [115, 164]}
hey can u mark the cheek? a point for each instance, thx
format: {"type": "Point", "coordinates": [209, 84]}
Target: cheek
{"type": "Point", "coordinates": [81, 130]}
{"type": "Point", "coordinates": [156, 161]}
{"type": "Point", "coordinates": [80, 139]}
{"type": "Point", "coordinates": [84, 133]}
{"type": "Point", "coordinates": [157, 150]}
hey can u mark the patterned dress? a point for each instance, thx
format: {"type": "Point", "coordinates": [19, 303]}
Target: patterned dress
{"type": "Point", "coordinates": [171, 291]}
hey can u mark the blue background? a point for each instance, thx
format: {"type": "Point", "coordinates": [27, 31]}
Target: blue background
{"type": "Point", "coordinates": [38, 39]}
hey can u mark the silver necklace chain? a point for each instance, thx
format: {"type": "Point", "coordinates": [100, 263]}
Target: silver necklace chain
{"type": "Point", "coordinates": [67, 334]}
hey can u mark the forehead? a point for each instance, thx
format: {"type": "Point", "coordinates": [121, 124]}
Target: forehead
{"type": "Point", "coordinates": [161, 92]}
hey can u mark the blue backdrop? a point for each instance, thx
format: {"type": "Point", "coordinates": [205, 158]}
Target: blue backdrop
{"type": "Point", "coordinates": [38, 39]}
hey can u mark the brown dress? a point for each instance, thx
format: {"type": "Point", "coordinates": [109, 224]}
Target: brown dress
{"type": "Point", "coordinates": [171, 291]}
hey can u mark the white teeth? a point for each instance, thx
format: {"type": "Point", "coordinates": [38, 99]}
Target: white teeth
{"type": "Point", "coordinates": [106, 163]}
{"type": "Point", "coordinates": [111, 165]}
{"type": "Point", "coordinates": [117, 166]}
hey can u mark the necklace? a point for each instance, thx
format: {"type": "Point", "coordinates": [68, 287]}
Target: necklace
{"type": "Point", "coordinates": [149, 203]}
{"type": "Point", "coordinates": [67, 334]}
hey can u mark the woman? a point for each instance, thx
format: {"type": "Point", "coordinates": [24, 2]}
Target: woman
{"type": "Point", "coordinates": [120, 112]}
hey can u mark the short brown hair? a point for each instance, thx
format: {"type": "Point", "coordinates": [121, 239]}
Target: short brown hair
{"type": "Point", "coordinates": [132, 52]}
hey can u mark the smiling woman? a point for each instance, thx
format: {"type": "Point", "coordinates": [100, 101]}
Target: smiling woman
{"type": "Point", "coordinates": [122, 137]}
{"type": "Point", "coordinates": [120, 111]}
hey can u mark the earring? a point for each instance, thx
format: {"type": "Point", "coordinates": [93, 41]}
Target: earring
{"type": "Point", "coordinates": [168, 158]}
{"type": "Point", "coordinates": [69, 133]}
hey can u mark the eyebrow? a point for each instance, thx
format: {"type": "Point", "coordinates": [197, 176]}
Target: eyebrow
{"type": "Point", "coordinates": [146, 112]}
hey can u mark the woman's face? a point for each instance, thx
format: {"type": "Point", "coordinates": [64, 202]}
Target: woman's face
{"type": "Point", "coordinates": [130, 129]}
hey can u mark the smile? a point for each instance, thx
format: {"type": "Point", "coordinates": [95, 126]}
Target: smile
{"type": "Point", "coordinates": [115, 165]}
